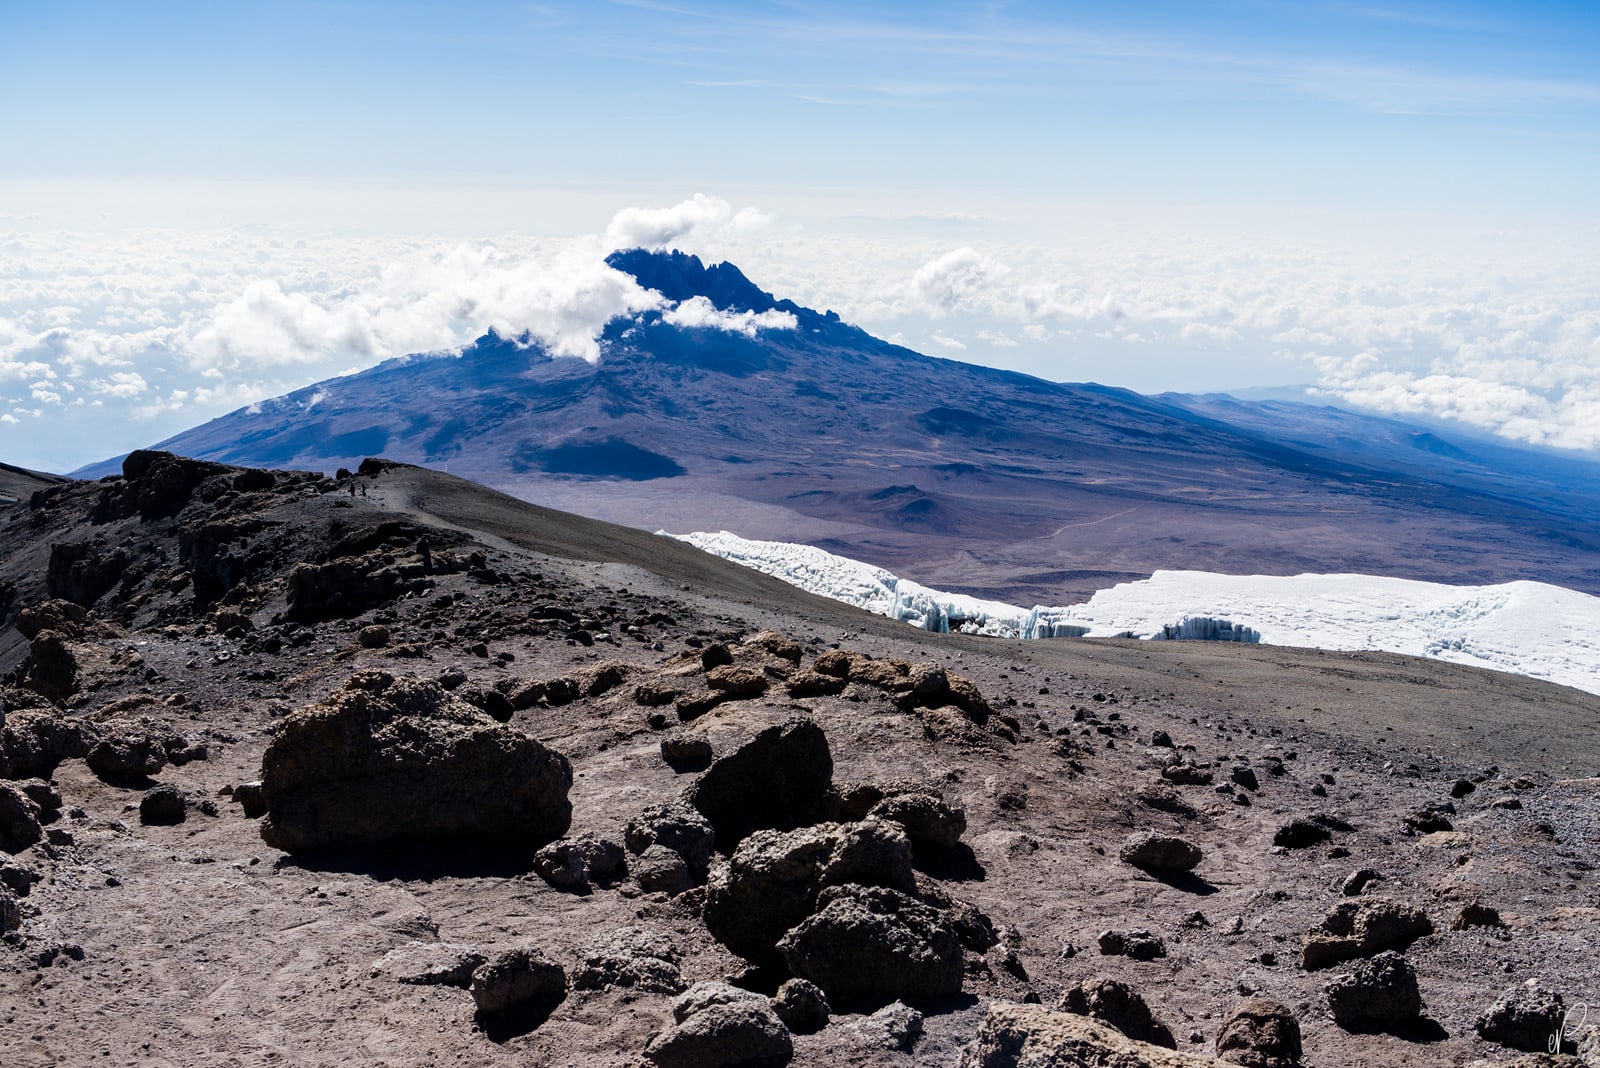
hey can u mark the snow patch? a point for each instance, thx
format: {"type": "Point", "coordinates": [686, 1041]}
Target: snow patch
{"type": "Point", "coordinates": [1527, 628]}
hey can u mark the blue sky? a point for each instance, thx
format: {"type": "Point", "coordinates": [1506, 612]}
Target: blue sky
{"type": "Point", "coordinates": [1056, 187]}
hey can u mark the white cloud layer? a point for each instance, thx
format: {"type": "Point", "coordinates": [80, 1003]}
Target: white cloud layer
{"type": "Point", "coordinates": [111, 340]}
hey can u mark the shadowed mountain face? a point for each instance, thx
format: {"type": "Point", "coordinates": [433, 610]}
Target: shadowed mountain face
{"type": "Point", "coordinates": [985, 480]}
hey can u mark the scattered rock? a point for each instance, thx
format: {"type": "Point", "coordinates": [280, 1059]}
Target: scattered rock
{"type": "Point", "coordinates": [53, 670]}
{"type": "Point", "coordinates": [630, 958]}
{"type": "Point", "coordinates": [779, 780]}
{"type": "Point", "coordinates": [721, 1027]}
{"type": "Point", "coordinates": [1187, 775]}
{"type": "Point", "coordinates": [1135, 945]}
{"type": "Point", "coordinates": [1525, 1017]}
{"type": "Point", "coordinates": [34, 741]}
{"type": "Point", "coordinates": [1358, 881]}
{"type": "Point", "coordinates": [250, 797]}
{"type": "Point", "coordinates": [1161, 739]}
{"type": "Point", "coordinates": [1300, 834]}
{"type": "Point", "coordinates": [1428, 821]}
{"type": "Point", "coordinates": [927, 818]}
{"type": "Point", "coordinates": [802, 1006]}
{"type": "Point", "coordinates": [1462, 787]}
{"type": "Point", "coordinates": [1119, 1006]}
{"type": "Point", "coordinates": [385, 758]}
{"type": "Point", "coordinates": [1476, 914]}
{"type": "Point", "coordinates": [1159, 852]}
{"type": "Point", "coordinates": [17, 876]}
{"type": "Point", "coordinates": [814, 684]}
{"type": "Point", "coordinates": [1030, 1036]}
{"type": "Point", "coordinates": [779, 645]}
{"type": "Point", "coordinates": [1260, 1033]}
{"type": "Point", "coordinates": [662, 871]}
{"type": "Point", "coordinates": [928, 679]}
{"type": "Point", "coordinates": [162, 804]}
{"type": "Point", "coordinates": [774, 879]}
{"type": "Point", "coordinates": [867, 945]}
{"type": "Point", "coordinates": [516, 977]}
{"type": "Point", "coordinates": [680, 828]}
{"type": "Point", "coordinates": [1360, 929]}
{"type": "Point", "coordinates": [895, 1027]}
{"type": "Point", "coordinates": [375, 636]}
{"type": "Point", "coordinates": [1245, 777]}
{"type": "Point", "coordinates": [430, 964]}
{"type": "Point", "coordinates": [10, 912]}
{"type": "Point", "coordinates": [1381, 991]}
{"type": "Point", "coordinates": [570, 863]}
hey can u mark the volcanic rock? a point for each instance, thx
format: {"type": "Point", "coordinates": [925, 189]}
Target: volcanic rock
{"type": "Point", "coordinates": [162, 804]}
{"type": "Point", "coordinates": [802, 1006]}
{"type": "Point", "coordinates": [385, 758]}
{"type": "Point", "coordinates": [630, 958]}
{"type": "Point", "coordinates": [721, 1028]}
{"type": "Point", "coordinates": [1135, 945]}
{"type": "Point", "coordinates": [1159, 852]}
{"type": "Point", "coordinates": [1029, 1036]}
{"type": "Point", "coordinates": [675, 826]}
{"type": "Point", "coordinates": [867, 945]}
{"type": "Point", "coordinates": [515, 977]}
{"type": "Point", "coordinates": [773, 880]}
{"type": "Point", "coordinates": [660, 870]}
{"type": "Point", "coordinates": [430, 964]}
{"type": "Point", "coordinates": [19, 819]}
{"type": "Point", "coordinates": [778, 780]}
{"type": "Point", "coordinates": [1119, 1006]}
{"type": "Point", "coordinates": [1260, 1033]}
{"type": "Point", "coordinates": [1380, 991]}
{"type": "Point", "coordinates": [1360, 929]}
{"type": "Point", "coordinates": [1525, 1017]}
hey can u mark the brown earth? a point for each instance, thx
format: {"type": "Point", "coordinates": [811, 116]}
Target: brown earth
{"type": "Point", "coordinates": [202, 946]}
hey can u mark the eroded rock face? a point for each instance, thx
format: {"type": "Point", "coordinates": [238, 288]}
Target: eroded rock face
{"type": "Point", "coordinates": [54, 669]}
{"type": "Point", "coordinates": [1119, 1006]}
{"type": "Point", "coordinates": [1028, 1036]}
{"type": "Point", "coordinates": [778, 780]}
{"type": "Point", "coordinates": [19, 819]}
{"type": "Point", "coordinates": [772, 882]}
{"type": "Point", "coordinates": [869, 945]}
{"type": "Point", "coordinates": [34, 741]}
{"type": "Point", "coordinates": [1380, 991]}
{"type": "Point", "coordinates": [387, 758]}
{"type": "Point", "coordinates": [1260, 1033]}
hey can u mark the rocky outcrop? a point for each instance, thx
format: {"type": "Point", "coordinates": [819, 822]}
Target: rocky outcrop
{"type": "Point", "coordinates": [1260, 1033]}
{"type": "Point", "coordinates": [19, 819]}
{"type": "Point", "coordinates": [778, 780]}
{"type": "Point", "coordinates": [1028, 1036]}
{"type": "Point", "coordinates": [773, 881]}
{"type": "Point", "coordinates": [385, 758]}
{"type": "Point", "coordinates": [34, 740]}
{"type": "Point", "coordinates": [868, 945]}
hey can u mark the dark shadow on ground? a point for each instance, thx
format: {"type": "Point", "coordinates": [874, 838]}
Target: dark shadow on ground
{"type": "Point", "coordinates": [520, 1020]}
{"type": "Point", "coordinates": [956, 864]}
{"type": "Point", "coordinates": [1187, 881]}
{"type": "Point", "coordinates": [420, 861]}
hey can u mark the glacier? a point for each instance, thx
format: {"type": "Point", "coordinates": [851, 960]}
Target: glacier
{"type": "Point", "coordinates": [1527, 628]}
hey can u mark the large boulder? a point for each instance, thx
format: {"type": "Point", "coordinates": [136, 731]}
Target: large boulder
{"type": "Point", "coordinates": [1525, 1017]}
{"type": "Point", "coordinates": [1361, 928]}
{"type": "Point", "coordinates": [778, 780]}
{"type": "Point", "coordinates": [1260, 1033]}
{"type": "Point", "coordinates": [1030, 1036]}
{"type": "Point", "coordinates": [869, 945]}
{"type": "Point", "coordinates": [1379, 992]}
{"type": "Point", "coordinates": [385, 758]}
{"type": "Point", "coordinates": [34, 740]}
{"type": "Point", "coordinates": [1159, 852]}
{"type": "Point", "coordinates": [774, 878]}
{"type": "Point", "coordinates": [1118, 1005]}
{"type": "Point", "coordinates": [720, 1026]}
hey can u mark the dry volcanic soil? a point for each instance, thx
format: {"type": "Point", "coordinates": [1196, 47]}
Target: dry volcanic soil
{"type": "Point", "coordinates": [392, 769]}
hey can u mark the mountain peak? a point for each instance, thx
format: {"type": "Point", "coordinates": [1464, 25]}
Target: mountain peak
{"type": "Point", "coordinates": [679, 276]}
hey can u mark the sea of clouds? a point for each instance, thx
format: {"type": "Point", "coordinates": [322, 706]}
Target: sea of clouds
{"type": "Point", "coordinates": [113, 338]}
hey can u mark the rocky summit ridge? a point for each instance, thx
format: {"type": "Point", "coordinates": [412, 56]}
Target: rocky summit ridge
{"type": "Point", "coordinates": [388, 768]}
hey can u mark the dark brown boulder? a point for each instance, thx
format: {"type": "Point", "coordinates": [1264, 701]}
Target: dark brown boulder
{"type": "Point", "coordinates": [1118, 1005]}
{"type": "Point", "coordinates": [53, 670]}
{"type": "Point", "coordinates": [19, 819]}
{"type": "Point", "coordinates": [385, 758]}
{"type": "Point", "coordinates": [779, 780]}
{"type": "Point", "coordinates": [1260, 1033]}
{"type": "Point", "coordinates": [1379, 992]}
{"type": "Point", "coordinates": [866, 946]}
{"type": "Point", "coordinates": [1525, 1017]}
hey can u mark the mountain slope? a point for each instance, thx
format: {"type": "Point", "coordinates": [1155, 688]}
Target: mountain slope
{"type": "Point", "coordinates": [987, 480]}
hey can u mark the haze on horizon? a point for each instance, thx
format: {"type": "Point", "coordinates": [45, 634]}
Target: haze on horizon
{"type": "Point", "coordinates": [202, 206]}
